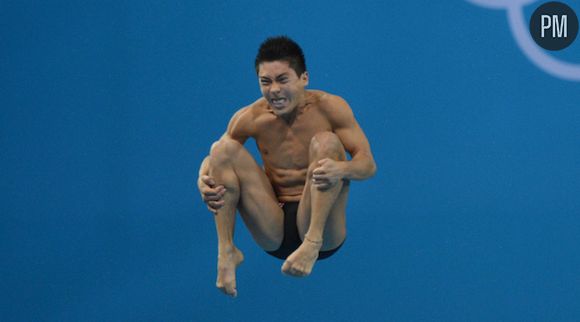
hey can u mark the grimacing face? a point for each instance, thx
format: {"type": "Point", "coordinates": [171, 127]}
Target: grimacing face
{"type": "Point", "coordinates": [281, 87]}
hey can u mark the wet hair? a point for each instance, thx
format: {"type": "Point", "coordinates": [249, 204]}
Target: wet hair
{"type": "Point", "coordinates": [284, 49]}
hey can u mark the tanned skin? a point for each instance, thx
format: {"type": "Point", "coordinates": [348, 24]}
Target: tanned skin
{"type": "Point", "coordinates": [303, 137]}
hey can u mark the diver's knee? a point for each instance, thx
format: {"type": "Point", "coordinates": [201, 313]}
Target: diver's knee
{"type": "Point", "coordinates": [224, 150]}
{"type": "Point", "coordinates": [326, 144]}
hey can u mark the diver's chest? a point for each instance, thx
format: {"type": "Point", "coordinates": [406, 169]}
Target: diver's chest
{"type": "Point", "coordinates": [290, 139]}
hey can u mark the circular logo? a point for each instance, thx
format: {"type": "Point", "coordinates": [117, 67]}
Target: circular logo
{"type": "Point", "coordinates": [554, 26]}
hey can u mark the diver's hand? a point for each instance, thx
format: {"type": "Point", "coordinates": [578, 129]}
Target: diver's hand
{"type": "Point", "coordinates": [211, 194]}
{"type": "Point", "coordinates": [328, 173]}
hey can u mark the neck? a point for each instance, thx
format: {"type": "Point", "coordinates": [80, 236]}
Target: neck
{"type": "Point", "coordinates": [290, 117]}
{"type": "Point", "coordinates": [302, 102]}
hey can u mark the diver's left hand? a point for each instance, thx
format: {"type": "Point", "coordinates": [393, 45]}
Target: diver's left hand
{"type": "Point", "coordinates": [328, 173]}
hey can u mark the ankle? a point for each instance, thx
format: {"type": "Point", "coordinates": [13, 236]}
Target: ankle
{"type": "Point", "coordinates": [315, 241]}
{"type": "Point", "coordinates": [226, 249]}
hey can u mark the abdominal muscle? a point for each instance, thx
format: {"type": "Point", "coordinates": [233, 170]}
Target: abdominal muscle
{"type": "Point", "coordinates": [288, 184]}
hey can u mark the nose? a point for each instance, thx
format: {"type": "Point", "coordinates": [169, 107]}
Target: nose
{"type": "Point", "coordinates": [275, 88]}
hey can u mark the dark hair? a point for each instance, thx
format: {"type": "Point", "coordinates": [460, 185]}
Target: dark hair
{"type": "Point", "coordinates": [281, 48]}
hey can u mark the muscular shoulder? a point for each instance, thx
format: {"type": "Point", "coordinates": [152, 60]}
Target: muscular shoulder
{"type": "Point", "coordinates": [243, 122]}
{"type": "Point", "coordinates": [335, 108]}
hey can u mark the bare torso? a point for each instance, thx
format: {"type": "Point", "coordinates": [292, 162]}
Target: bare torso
{"type": "Point", "coordinates": [283, 144]}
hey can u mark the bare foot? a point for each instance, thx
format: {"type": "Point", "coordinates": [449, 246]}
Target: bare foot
{"type": "Point", "coordinates": [301, 261]}
{"type": "Point", "coordinates": [228, 261]}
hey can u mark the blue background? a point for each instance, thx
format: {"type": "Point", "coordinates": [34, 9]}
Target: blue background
{"type": "Point", "coordinates": [107, 109]}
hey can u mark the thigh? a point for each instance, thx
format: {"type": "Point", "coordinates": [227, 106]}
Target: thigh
{"type": "Point", "coordinates": [258, 204]}
{"type": "Point", "coordinates": [335, 227]}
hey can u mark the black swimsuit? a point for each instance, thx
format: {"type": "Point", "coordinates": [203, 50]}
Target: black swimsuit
{"type": "Point", "coordinates": [291, 240]}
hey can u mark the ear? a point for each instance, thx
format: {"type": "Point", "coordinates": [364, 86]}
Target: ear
{"type": "Point", "coordinates": [305, 78]}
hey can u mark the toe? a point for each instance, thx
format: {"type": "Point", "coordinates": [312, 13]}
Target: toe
{"type": "Point", "coordinates": [231, 289]}
{"type": "Point", "coordinates": [296, 272]}
{"type": "Point", "coordinates": [287, 267]}
{"type": "Point", "coordinates": [231, 292]}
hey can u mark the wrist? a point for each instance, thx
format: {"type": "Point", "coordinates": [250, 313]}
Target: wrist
{"type": "Point", "coordinates": [344, 169]}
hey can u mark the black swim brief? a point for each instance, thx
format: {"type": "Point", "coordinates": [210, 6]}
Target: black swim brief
{"type": "Point", "coordinates": [291, 240]}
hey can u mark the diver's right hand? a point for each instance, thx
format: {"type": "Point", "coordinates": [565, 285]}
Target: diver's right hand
{"type": "Point", "coordinates": [211, 194]}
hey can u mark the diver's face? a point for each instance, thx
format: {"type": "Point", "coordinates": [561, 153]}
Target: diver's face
{"type": "Point", "coordinates": [281, 87]}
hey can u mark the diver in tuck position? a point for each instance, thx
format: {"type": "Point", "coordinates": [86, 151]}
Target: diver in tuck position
{"type": "Point", "coordinates": [294, 206]}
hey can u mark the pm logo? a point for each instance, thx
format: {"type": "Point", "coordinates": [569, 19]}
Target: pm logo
{"type": "Point", "coordinates": [554, 26]}
{"type": "Point", "coordinates": [528, 43]}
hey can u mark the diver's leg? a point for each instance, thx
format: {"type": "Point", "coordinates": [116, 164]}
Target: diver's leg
{"type": "Point", "coordinates": [248, 189]}
{"type": "Point", "coordinates": [321, 215]}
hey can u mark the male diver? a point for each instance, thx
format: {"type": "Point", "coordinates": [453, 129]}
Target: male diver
{"type": "Point", "coordinates": [294, 206]}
